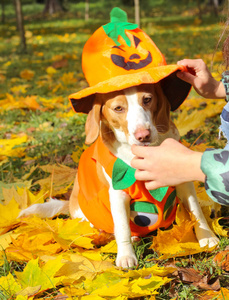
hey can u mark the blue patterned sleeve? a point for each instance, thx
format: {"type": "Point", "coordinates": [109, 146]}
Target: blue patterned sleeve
{"type": "Point", "coordinates": [215, 165]}
{"type": "Point", "coordinates": [215, 162]}
{"type": "Point", "coordinates": [225, 81]}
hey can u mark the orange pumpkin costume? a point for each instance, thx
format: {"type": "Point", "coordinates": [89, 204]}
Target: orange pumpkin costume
{"type": "Point", "coordinates": [93, 195]}
{"type": "Point", "coordinates": [118, 56]}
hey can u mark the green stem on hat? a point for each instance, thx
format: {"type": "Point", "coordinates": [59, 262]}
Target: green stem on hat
{"type": "Point", "coordinates": [117, 26]}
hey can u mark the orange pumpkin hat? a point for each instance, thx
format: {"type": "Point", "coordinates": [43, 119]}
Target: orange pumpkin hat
{"type": "Point", "coordinates": [119, 55]}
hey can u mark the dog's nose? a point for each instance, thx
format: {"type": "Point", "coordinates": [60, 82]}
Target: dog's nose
{"type": "Point", "coordinates": [142, 135]}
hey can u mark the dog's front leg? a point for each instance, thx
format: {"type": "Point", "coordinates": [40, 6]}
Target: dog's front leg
{"type": "Point", "coordinates": [120, 209]}
{"type": "Point", "coordinates": [187, 194]}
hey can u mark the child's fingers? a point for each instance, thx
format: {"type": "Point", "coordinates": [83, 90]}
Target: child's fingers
{"type": "Point", "coordinates": [192, 63]}
{"type": "Point", "coordinates": [139, 151]}
{"type": "Point", "coordinates": [186, 76]}
{"type": "Point", "coordinates": [136, 163]}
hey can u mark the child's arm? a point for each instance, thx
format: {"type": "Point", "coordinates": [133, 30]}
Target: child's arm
{"type": "Point", "coordinates": [169, 164]}
{"type": "Point", "coordinates": [201, 79]}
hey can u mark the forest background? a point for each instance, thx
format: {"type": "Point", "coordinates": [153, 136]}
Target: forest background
{"type": "Point", "coordinates": [41, 140]}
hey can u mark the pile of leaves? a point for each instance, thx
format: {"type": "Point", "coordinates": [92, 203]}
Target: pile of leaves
{"type": "Point", "coordinates": [41, 140]}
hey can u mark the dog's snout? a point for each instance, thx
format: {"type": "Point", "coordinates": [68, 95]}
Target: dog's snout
{"type": "Point", "coordinates": [142, 135]}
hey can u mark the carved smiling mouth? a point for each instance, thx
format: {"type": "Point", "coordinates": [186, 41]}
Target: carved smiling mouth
{"type": "Point", "coordinates": [119, 61]}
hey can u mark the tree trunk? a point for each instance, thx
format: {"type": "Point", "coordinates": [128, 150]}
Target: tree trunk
{"type": "Point", "coordinates": [200, 9]}
{"type": "Point", "coordinates": [52, 6]}
{"type": "Point", "coordinates": [20, 24]}
{"type": "Point", "coordinates": [3, 11]}
{"type": "Point", "coordinates": [137, 12]}
{"type": "Point", "coordinates": [216, 6]}
{"type": "Point", "coordinates": [86, 10]}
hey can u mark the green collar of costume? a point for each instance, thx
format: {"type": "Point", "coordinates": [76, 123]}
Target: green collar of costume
{"type": "Point", "coordinates": [123, 176]}
{"type": "Point", "coordinates": [118, 25]}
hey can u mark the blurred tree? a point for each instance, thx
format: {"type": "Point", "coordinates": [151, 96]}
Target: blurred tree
{"type": "Point", "coordinates": [128, 2]}
{"type": "Point", "coordinates": [52, 6]}
{"type": "Point", "coordinates": [137, 12]}
{"type": "Point", "coordinates": [86, 10]}
{"type": "Point", "coordinates": [3, 11]}
{"type": "Point", "coordinates": [20, 24]}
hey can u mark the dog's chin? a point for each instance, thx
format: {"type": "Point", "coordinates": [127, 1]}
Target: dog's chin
{"type": "Point", "coordinates": [143, 143]}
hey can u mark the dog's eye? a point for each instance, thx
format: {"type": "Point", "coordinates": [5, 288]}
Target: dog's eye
{"type": "Point", "coordinates": [118, 108]}
{"type": "Point", "coordinates": [147, 99]}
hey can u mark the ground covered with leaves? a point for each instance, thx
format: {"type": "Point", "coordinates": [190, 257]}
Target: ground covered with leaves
{"type": "Point", "coordinates": [41, 140]}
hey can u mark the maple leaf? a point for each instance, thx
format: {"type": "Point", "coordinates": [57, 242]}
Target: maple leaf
{"type": "Point", "coordinates": [21, 297]}
{"type": "Point", "coordinates": [32, 245]}
{"type": "Point", "coordinates": [82, 267]}
{"type": "Point", "coordinates": [9, 285]}
{"type": "Point", "coordinates": [2, 78]}
{"type": "Point", "coordinates": [6, 239]}
{"type": "Point", "coordinates": [7, 146]}
{"type": "Point", "coordinates": [180, 240]}
{"type": "Point", "coordinates": [73, 232]}
{"type": "Point", "coordinates": [110, 247]}
{"type": "Point", "coordinates": [27, 74]}
{"type": "Point", "coordinates": [143, 286]}
{"type": "Point", "coordinates": [222, 294]}
{"type": "Point", "coordinates": [43, 277]}
{"type": "Point", "coordinates": [68, 78]}
{"type": "Point", "coordinates": [60, 63]}
{"type": "Point", "coordinates": [56, 102]}
{"type": "Point", "coordinates": [222, 259]}
{"type": "Point", "coordinates": [61, 180]}
{"type": "Point", "coordinates": [72, 291]}
{"type": "Point", "coordinates": [8, 216]}
{"type": "Point", "coordinates": [11, 102]}
{"type": "Point", "coordinates": [4, 187]}
{"type": "Point", "coordinates": [146, 272]}
{"type": "Point", "coordinates": [50, 70]}
{"type": "Point", "coordinates": [189, 121]}
{"type": "Point", "coordinates": [19, 89]}
{"type": "Point", "coordinates": [20, 198]}
{"type": "Point", "coordinates": [218, 229]}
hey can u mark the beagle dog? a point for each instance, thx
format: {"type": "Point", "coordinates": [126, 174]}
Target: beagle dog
{"type": "Point", "coordinates": [137, 115]}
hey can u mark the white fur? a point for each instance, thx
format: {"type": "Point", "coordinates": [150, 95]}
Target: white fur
{"type": "Point", "coordinates": [120, 209]}
{"type": "Point", "coordinates": [46, 210]}
{"type": "Point", "coordinates": [186, 193]}
{"type": "Point", "coordinates": [138, 117]}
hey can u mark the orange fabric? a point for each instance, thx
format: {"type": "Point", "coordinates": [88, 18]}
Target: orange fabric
{"type": "Point", "coordinates": [94, 197]}
{"type": "Point", "coordinates": [111, 65]}
{"type": "Point", "coordinates": [100, 43]}
{"type": "Point", "coordinates": [104, 76]}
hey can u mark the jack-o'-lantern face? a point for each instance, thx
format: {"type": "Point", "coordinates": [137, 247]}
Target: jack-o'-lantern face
{"type": "Point", "coordinates": [131, 58]}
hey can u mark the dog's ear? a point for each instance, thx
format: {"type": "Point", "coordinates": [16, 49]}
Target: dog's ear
{"type": "Point", "coordinates": [162, 115]}
{"type": "Point", "coordinates": [92, 125]}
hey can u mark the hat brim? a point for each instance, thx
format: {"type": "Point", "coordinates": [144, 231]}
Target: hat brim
{"type": "Point", "coordinates": [175, 89]}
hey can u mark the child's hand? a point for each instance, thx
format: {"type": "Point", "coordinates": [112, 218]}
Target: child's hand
{"type": "Point", "coordinates": [201, 79]}
{"type": "Point", "coordinates": [169, 164]}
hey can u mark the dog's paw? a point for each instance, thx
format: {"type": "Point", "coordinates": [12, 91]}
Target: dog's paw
{"type": "Point", "coordinates": [206, 238]}
{"type": "Point", "coordinates": [209, 241]}
{"type": "Point", "coordinates": [127, 261]}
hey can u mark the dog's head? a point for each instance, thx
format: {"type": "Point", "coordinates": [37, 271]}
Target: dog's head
{"type": "Point", "coordinates": [137, 115]}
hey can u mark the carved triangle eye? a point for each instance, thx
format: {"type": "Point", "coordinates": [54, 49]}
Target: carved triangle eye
{"type": "Point", "coordinates": [136, 41]}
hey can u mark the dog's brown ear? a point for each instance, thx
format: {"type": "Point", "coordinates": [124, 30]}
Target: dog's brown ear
{"type": "Point", "coordinates": [162, 115]}
{"type": "Point", "coordinates": [92, 125]}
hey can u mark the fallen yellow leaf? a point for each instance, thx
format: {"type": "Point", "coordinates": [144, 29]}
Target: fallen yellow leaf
{"type": "Point", "coordinates": [9, 285]}
{"type": "Point", "coordinates": [8, 216]}
{"type": "Point", "coordinates": [27, 74]}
